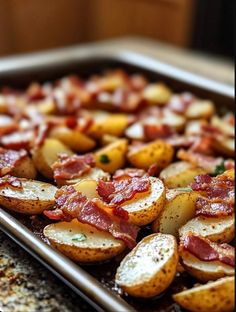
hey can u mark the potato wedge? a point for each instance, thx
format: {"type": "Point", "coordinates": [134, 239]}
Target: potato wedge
{"type": "Point", "coordinates": [158, 94]}
{"type": "Point", "coordinates": [223, 126]}
{"type": "Point", "coordinates": [200, 109]}
{"type": "Point", "coordinates": [146, 209]}
{"type": "Point", "coordinates": [173, 120]}
{"type": "Point", "coordinates": [82, 242]}
{"type": "Point", "coordinates": [215, 296]}
{"type": "Point", "coordinates": [179, 208]}
{"type": "Point", "coordinates": [150, 267]}
{"type": "Point", "coordinates": [104, 123]}
{"type": "Point", "coordinates": [158, 152]}
{"type": "Point", "coordinates": [180, 174]}
{"type": "Point", "coordinates": [135, 131]}
{"type": "Point", "coordinates": [112, 157]}
{"type": "Point", "coordinates": [34, 198]}
{"type": "Point", "coordinates": [204, 270]}
{"type": "Point", "coordinates": [219, 230]}
{"type": "Point", "coordinates": [25, 169]}
{"type": "Point", "coordinates": [47, 154]}
{"type": "Point", "coordinates": [74, 139]}
{"type": "Point", "coordinates": [93, 174]}
{"type": "Point", "coordinates": [87, 188]}
{"type": "Point", "coordinates": [225, 146]}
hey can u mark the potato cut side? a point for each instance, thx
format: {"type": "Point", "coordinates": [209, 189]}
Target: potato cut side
{"type": "Point", "coordinates": [74, 139]}
{"type": "Point", "coordinates": [47, 154]}
{"type": "Point", "coordinates": [113, 156]}
{"type": "Point", "coordinates": [83, 242]}
{"type": "Point", "coordinates": [179, 209]}
{"type": "Point", "coordinates": [34, 198]}
{"type": "Point", "coordinates": [219, 230]}
{"type": "Point", "coordinates": [135, 131]}
{"type": "Point", "coordinates": [215, 296]}
{"type": "Point", "coordinates": [157, 94]}
{"type": "Point", "coordinates": [146, 209]}
{"type": "Point", "coordinates": [93, 174]}
{"type": "Point", "coordinates": [150, 267]}
{"type": "Point", "coordinates": [87, 188]}
{"type": "Point", "coordinates": [223, 126]}
{"type": "Point", "coordinates": [200, 109]}
{"type": "Point", "coordinates": [225, 146]}
{"type": "Point", "coordinates": [158, 152]}
{"type": "Point", "coordinates": [180, 174]}
{"type": "Point", "coordinates": [205, 270]}
{"type": "Point", "coordinates": [25, 169]}
{"type": "Point", "coordinates": [173, 120]}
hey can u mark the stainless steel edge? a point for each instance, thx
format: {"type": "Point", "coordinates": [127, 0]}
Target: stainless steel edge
{"type": "Point", "coordinates": [80, 281]}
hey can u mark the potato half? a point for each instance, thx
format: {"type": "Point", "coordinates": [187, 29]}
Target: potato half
{"type": "Point", "coordinates": [150, 267]}
{"type": "Point", "coordinates": [157, 94]}
{"type": "Point", "coordinates": [219, 230]}
{"type": "Point", "coordinates": [158, 152]}
{"type": "Point", "coordinates": [25, 169]}
{"type": "Point", "coordinates": [180, 174]}
{"type": "Point", "coordinates": [112, 157]}
{"type": "Point", "coordinates": [204, 270]}
{"type": "Point", "coordinates": [83, 242]}
{"type": "Point", "coordinates": [200, 109]}
{"type": "Point", "coordinates": [34, 198]}
{"type": "Point", "coordinates": [144, 210]}
{"type": "Point", "coordinates": [47, 154]}
{"type": "Point", "coordinates": [215, 296]}
{"type": "Point", "coordinates": [179, 209]}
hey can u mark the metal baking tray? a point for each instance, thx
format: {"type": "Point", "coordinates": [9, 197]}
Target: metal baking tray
{"type": "Point", "coordinates": [96, 285]}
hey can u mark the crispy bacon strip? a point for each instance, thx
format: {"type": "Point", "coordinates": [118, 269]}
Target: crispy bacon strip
{"type": "Point", "coordinates": [71, 204]}
{"type": "Point", "coordinates": [206, 250]}
{"type": "Point", "coordinates": [119, 191]}
{"type": "Point", "coordinates": [72, 167]}
{"type": "Point", "coordinates": [12, 182]}
{"type": "Point", "coordinates": [9, 159]}
{"type": "Point", "coordinates": [155, 131]}
{"type": "Point", "coordinates": [18, 140]}
{"type": "Point", "coordinates": [129, 173]}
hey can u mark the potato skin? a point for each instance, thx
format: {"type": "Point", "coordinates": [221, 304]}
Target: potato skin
{"type": "Point", "coordinates": [180, 174]}
{"type": "Point", "coordinates": [98, 249]}
{"type": "Point", "coordinates": [158, 152]}
{"type": "Point", "coordinates": [35, 197]}
{"type": "Point", "coordinates": [163, 263]}
{"type": "Point", "coordinates": [115, 154]}
{"type": "Point", "coordinates": [25, 169]}
{"type": "Point", "coordinates": [215, 296]}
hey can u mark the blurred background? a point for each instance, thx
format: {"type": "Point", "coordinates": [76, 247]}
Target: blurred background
{"type": "Point", "coordinates": [31, 25]}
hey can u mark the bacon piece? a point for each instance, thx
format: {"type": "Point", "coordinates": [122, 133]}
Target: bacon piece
{"type": "Point", "coordinates": [9, 159]}
{"type": "Point", "coordinates": [12, 182]}
{"type": "Point", "coordinates": [207, 208]}
{"type": "Point", "coordinates": [206, 250]}
{"type": "Point", "coordinates": [229, 164]}
{"type": "Point", "coordinates": [7, 125]}
{"type": "Point", "coordinates": [178, 141]}
{"type": "Point", "coordinates": [35, 92]}
{"type": "Point", "coordinates": [153, 170]}
{"type": "Point", "coordinates": [72, 167]}
{"type": "Point", "coordinates": [180, 103]}
{"type": "Point", "coordinates": [126, 100]}
{"type": "Point", "coordinates": [119, 191]}
{"type": "Point", "coordinates": [71, 204]}
{"type": "Point", "coordinates": [155, 131]}
{"type": "Point", "coordinates": [203, 146]}
{"type": "Point", "coordinates": [43, 131]}
{"type": "Point", "coordinates": [18, 140]}
{"type": "Point", "coordinates": [129, 173]}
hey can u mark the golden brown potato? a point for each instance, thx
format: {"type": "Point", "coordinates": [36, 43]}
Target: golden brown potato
{"type": "Point", "coordinates": [179, 208]}
{"type": "Point", "coordinates": [225, 146]}
{"type": "Point", "coordinates": [158, 152]}
{"type": "Point", "coordinates": [25, 169]}
{"type": "Point", "coordinates": [158, 94]}
{"type": "Point", "coordinates": [45, 155]}
{"type": "Point", "coordinates": [223, 126]}
{"type": "Point", "coordinates": [200, 109]}
{"type": "Point", "coordinates": [180, 174]}
{"type": "Point", "coordinates": [215, 296]}
{"type": "Point", "coordinates": [83, 242]}
{"type": "Point", "coordinates": [144, 210]}
{"type": "Point", "coordinates": [150, 267]}
{"type": "Point", "coordinates": [74, 139]}
{"type": "Point", "coordinates": [219, 230]}
{"type": "Point", "coordinates": [34, 198]}
{"type": "Point", "coordinates": [112, 157]}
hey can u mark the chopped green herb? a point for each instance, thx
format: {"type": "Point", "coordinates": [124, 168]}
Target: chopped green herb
{"type": "Point", "coordinates": [184, 189]}
{"type": "Point", "coordinates": [79, 238]}
{"type": "Point", "coordinates": [104, 159]}
{"type": "Point", "coordinates": [219, 169]}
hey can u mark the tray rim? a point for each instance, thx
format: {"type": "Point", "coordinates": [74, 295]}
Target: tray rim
{"type": "Point", "coordinates": [100, 297]}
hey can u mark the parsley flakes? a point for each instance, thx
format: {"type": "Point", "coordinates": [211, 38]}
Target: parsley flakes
{"type": "Point", "coordinates": [104, 159]}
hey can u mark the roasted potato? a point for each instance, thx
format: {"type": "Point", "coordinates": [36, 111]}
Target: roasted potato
{"type": "Point", "coordinates": [45, 155]}
{"type": "Point", "coordinates": [158, 94]}
{"type": "Point", "coordinates": [112, 157]}
{"type": "Point", "coordinates": [73, 138]}
{"type": "Point", "coordinates": [219, 230]}
{"type": "Point", "coordinates": [225, 127]}
{"type": "Point", "coordinates": [150, 267]}
{"type": "Point", "coordinates": [158, 152]}
{"type": "Point", "coordinates": [135, 131]}
{"type": "Point", "coordinates": [178, 209]}
{"type": "Point", "coordinates": [225, 146]}
{"type": "Point", "coordinates": [82, 242]}
{"type": "Point", "coordinates": [87, 188]}
{"type": "Point", "coordinates": [33, 198]}
{"type": "Point", "coordinates": [180, 174]}
{"type": "Point", "coordinates": [217, 296]}
{"type": "Point", "coordinates": [146, 209]}
{"type": "Point", "coordinates": [24, 169]}
{"type": "Point", "coordinates": [200, 109]}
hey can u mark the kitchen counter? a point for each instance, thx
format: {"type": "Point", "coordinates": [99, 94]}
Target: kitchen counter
{"type": "Point", "coordinates": [25, 285]}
